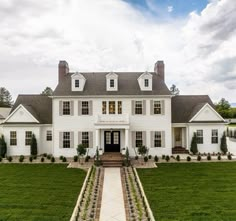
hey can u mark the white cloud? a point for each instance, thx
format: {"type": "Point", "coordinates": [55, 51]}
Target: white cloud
{"type": "Point", "coordinates": [170, 8]}
{"type": "Point", "coordinates": [112, 35]}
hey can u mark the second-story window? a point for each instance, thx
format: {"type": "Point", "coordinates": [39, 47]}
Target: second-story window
{"type": "Point", "coordinates": [138, 107]}
{"type": "Point", "coordinates": [157, 107]}
{"type": "Point", "coordinates": [66, 107]}
{"type": "Point", "coordinates": [85, 108]}
{"type": "Point", "coordinates": [104, 107]}
{"type": "Point", "coordinates": [112, 83]}
{"type": "Point", "coordinates": [146, 83]}
{"type": "Point", "coordinates": [76, 83]}
{"type": "Point", "coordinates": [112, 107]}
{"type": "Point", "coordinates": [119, 107]}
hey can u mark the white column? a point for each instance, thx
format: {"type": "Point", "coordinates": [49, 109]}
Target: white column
{"type": "Point", "coordinates": [187, 138]}
{"type": "Point", "coordinates": [126, 138]}
{"type": "Point", "coordinates": [98, 138]}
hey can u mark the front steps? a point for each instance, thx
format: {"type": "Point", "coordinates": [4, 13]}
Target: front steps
{"type": "Point", "coordinates": [179, 150]}
{"type": "Point", "coordinates": [110, 159]}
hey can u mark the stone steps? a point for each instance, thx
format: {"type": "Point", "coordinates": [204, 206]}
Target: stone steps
{"type": "Point", "coordinates": [112, 160]}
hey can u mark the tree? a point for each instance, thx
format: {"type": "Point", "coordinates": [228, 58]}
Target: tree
{"type": "Point", "coordinates": [193, 147]}
{"type": "Point", "coordinates": [5, 98]}
{"type": "Point", "coordinates": [47, 91]}
{"type": "Point", "coordinates": [223, 108]}
{"type": "Point", "coordinates": [81, 150]}
{"type": "Point", "coordinates": [223, 144]}
{"type": "Point", "coordinates": [142, 150]}
{"type": "Point", "coordinates": [3, 147]}
{"type": "Point", "coordinates": [33, 146]}
{"type": "Point", "coordinates": [174, 90]}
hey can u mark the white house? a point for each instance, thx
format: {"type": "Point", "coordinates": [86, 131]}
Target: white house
{"type": "Point", "coordinates": [112, 111]}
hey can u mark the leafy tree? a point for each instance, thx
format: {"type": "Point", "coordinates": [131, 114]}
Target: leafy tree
{"type": "Point", "coordinates": [3, 147]}
{"type": "Point", "coordinates": [81, 150]}
{"type": "Point", "coordinates": [142, 150]}
{"type": "Point", "coordinates": [223, 144]}
{"type": "Point", "coordinates": [47, 91]}
{"type": "Point", "coordinates": [224, 109]}
{"type": "Point", "coordinates": [33, 146]}
{"type": "Point", "coordinates": [5, 98]}
{"type": "Point", "coordinates": [174, 90]}
{"type": "Point", "coordinates": [223, 104]}
{"type": "Point", "coordinates": [193, 147]}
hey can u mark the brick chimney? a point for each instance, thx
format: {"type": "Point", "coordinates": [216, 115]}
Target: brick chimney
{"type": "Point", "coordinates": [159, 69]}
{"type": "Point", "coordinates": [63, 69]}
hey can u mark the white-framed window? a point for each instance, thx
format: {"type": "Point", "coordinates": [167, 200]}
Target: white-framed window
{"type": "Point", "coordinates": [85, 139]}
{"type": "Point", "coordinates": [13, 138]}
{"type": "Point", "coordinates": [157, 107]}
{"type": "Point", "coordinates": [28, 137]}
{"type": "Point", "coordinates": [112, 107]}
{"type": "Point", "coordinates": [66, 139]}
{"type": "Point", "coordinates": [214, 136]}
{"type": "Point", "coordinates": [200, 136]}
{"type": "Point", "coordinates": [66, 107]}
{"type": "Point", "coordinates": [146, 83]}
{"type": "Point", "coordinates": [49, 135]}
{"type": "Point", "coordinates": [138, 107]}
{"type": "Point", "coordinates": [139, 139]}
{"type": "Point", "coordinates": [85, 107]}
{"type": "Point", "coordinates": [112, 83]}
{"type": "Point", "coordinates": [119, 107]}
{"type": "Point", "coordinates": [157, 139]}
{"type": "Point", "coordinates": [104, 107]}
{"type": "Point", "coordinates": [76, 83]}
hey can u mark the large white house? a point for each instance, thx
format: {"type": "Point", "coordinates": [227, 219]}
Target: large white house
{"type": "Point", "coordinates": [112, 111]}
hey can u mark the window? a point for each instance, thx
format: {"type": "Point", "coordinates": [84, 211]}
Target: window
{"type": "Point", "coordinates": [112, 107]}
{"type": "Point", "coordinates": [119, 107]}
{"type": "Point", "coordinates": [146, 83]}
{"type": "Point", "coordinates": [85, 108]}
{"type": "Point", "coordinates": [112, 83]}
{"type": "Point", "coordinates": [200, 136]}
{"type": "Point", "coordinates": [139, 139]}
{"type": "Point", "coordinates": [85, 139]}
{"type": "Point", "coordinates": [157, 107]}
{"type": "Point", "coordinates": [49, 135]}
{"type": "Point", "coordinates": [66, 139]}
{"type": "Point", "coordinates": [28, 136]}
{"type": "Point", "coordinates": [116, 137]}
{"type": "Point", "coordinates": [138, 107]}
{"type": "Point", "coordinates": [13, 138]}
{"type": "Point", "coordinates": [157, 139]}
{"type": "Point", "coordinates": [108, 137]}
{"type": "Point", "coordinates": [214, 136]}
{"type": "Point", "coordinates": [66, 107]}
{"type": "Point", "coordinates": [104, 107]}
{"type": "Point", "coordinates": [76, 83]}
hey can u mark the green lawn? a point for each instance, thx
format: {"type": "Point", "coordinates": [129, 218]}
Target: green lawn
{"type": "Point", "coordinates": [38, 192]}
{"type": "Point", "coordinates": [191, 191]}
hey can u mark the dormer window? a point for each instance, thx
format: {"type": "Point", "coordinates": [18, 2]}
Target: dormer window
{"type": "Point", "coordinates": [77, 83]}
{"type": "Point", "coordinates": [146, 83]}
{"type": "Point", "coordinates": [112, 83]}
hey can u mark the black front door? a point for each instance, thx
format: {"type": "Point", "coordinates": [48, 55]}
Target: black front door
{"type": "Point", "coordinates": [112, 141]}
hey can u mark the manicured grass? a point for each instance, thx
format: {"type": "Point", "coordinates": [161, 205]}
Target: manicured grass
{"type": "Point", "coordinates": [191, 191]}
{"type": "Point", "coordinates": [38, 192]}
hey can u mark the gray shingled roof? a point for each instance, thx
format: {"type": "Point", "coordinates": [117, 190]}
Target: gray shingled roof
{"type": "Point", "coordinates": [40, 106]}
{"type": "Point", "coordinates": [96, 85]}
{"type": "Point", "coordinates": [184, 107]}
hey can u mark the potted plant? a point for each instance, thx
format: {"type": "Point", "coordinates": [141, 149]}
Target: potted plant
{"type": "Point", "coordinates": [100, 151]}
{"type": "Point", "coordinates": [123, 150]}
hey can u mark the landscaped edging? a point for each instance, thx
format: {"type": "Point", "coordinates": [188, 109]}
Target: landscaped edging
{"type": "Point", "coordinates": [144, 196]}
{"type": "Point", "coordinates": [75, 211]}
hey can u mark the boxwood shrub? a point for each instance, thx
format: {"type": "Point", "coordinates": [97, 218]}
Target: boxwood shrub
{"type": "Point", "coordinates": [42, 159]}
{"type": "Point", "coordinates": [52, 159]}
{"type": "Point", "coordinates": [178, 158]}
{"type": "Point", "coordinates": [199, 158]}
{"type": "Point", "coordinates": [75, 158]}
{"type": "Point", "coordinates": [188, 158]}
{"type": "Point", "coordinates": [156, 158]}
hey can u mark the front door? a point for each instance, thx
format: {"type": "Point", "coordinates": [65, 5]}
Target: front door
{"type": "Point", "coordinates": [112, 141]}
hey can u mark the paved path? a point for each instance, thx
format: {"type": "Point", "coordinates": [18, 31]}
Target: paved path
{"type": "Point", "coordinates": [112, 208]}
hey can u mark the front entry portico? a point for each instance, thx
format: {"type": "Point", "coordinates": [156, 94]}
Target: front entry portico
{"type": "Point", "coordinates": [112, 141]}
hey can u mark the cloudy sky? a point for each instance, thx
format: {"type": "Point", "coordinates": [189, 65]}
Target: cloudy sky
{"type": "Point", "coordinates": [196, 40]}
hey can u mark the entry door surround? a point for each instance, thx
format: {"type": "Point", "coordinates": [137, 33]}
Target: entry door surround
{"type": "Point", "coordinates": [112, 141]}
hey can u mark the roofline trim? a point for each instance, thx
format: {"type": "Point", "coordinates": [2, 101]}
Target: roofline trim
{"type": "Point", "coordinates": [109, 96]}
{"type": "Point", "coordinates": [202, 109]}
{"type": "Point", "coordinates": [13, 112]}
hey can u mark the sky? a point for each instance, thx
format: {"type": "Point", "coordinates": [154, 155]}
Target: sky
{"type": "Point", "coordinates": [195, 38]}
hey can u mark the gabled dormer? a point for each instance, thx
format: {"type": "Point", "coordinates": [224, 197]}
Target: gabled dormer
{"type": "Point", "coordinates": [145, 81]}
{"type": "Point", "coordinates": [112, 81]}
{"type": "Point", "coordinates": [77, 82]}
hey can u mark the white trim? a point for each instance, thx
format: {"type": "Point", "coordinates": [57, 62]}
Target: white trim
{"type": "Point", "coordinates": [112, 96]}
{"type": "Point", "coordinates": [221, 118]}
{"type": "Point", "coordinates": [145, 73]}
{"type": "Point", "coordinates": [20, 106]}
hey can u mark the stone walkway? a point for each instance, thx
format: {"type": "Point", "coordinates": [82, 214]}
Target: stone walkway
{"type": "Point", "coordinates": [112, 208]}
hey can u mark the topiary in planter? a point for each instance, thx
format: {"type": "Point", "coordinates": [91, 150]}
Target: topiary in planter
{"type": "Point", "coordinates": [156, 158]}
{"type": "Point", "coordinates": [150, 157]}
{"type": "Point", "coordinates": [64, 159]}
{"type": "Point", "coordinates": [219, 157]}
{"type": "Point", "coordinates": [208, 157]}
{"type": "Point", "coordinates": [61, 157]}
{"type": "Point", "coordinates": [199, 158]}
{"type": "Point", "coordinates": [188, 158]}
{"type": "Point", "coordinates": [145, 159]}
{"type": "Point", "coordinates": [75, 158]}
{"type": "Point", "coordinates": [136, 158]}
{"type": "Point", "coordinates": [42, 159]}
{"type": "Point", "coordinates": [163, 157]}
{"type": "Point", "coordinates": [30, 159]}
{"type": "Point", "coordinates": [9, 159]}
{"type": "Point", "coordinates": [21, 159]}
{"type": "Point", "coordinates": [35, 157]}
{"type": "Point", "coordinates": [167, 158]}
{"type": "Point", "coordinates": [86, 159]}
{"type": "Point", "coordinates": [178, 158]}
{"type": "Point", "coordinates": [49, 156]}
{"type": "Point", "coordinates": [229, 156]}
{"type": "Point", "coordinates": [53, 159]}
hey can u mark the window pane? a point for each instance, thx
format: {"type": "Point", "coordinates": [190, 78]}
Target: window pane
{"type": "Point", "coordinates": [200, 136]}
{"type": "Point", "coordinates": [108, 137]}
{"type": "Point", "coordinates": [157, 107]}
{"type": "Point", "coordinates": [112, 107]}
{"type": "Point", "coordinates": [76, 83]}
{"type": "Point", "coordinates": [66, 140]}
{"type": "Point", "coordinates": [214, 136]}
{"type": "Point", "coordinates": [115, 137]}
{"type": "Point", "coordinates": [85, 108]}
{"type": "Point", "coordinates": [104, 107]}
{"type": "Point", "coordinates": [13, 138]}
{"type": "Point", "coordinates": [112, 84]}
{"type": "Point", "coordinates": [139, 139]}
{"type": "Point", "coordinates": [119, 107]}
{"type": "Point", "coordinates": [49, 135]}
{"type": "Point", "coordinates": [138, 107]}
{"type": "Point", "coordinates": [66, 107]}
{"type": "Point", "coordinates": [85, 139]}
{"type": "Point", "coordinates": [28, 136]}
{"type": "Point", "coordinates": [157, 139]}
{"type": "Point", "coordinates": [146, 82]}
